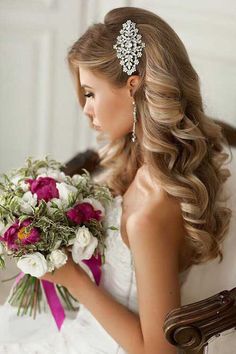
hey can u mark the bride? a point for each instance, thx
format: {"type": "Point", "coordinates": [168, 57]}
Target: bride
{"type": "Point", "coordinates": [163, 162]}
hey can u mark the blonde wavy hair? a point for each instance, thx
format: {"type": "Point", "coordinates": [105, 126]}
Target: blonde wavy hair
{"type": "Point", "coordinates": [182, 146]}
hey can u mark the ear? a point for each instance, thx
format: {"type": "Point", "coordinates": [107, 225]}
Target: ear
{"type": "Point", "coordinates": [133, 83]}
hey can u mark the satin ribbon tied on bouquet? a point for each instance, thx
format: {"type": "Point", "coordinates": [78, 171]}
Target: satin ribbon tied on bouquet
{"type": "Point", "coordinates": [49, 288]}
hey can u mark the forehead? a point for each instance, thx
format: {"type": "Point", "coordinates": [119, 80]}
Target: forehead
{"type": "Point", "coordinates": [90, 79]}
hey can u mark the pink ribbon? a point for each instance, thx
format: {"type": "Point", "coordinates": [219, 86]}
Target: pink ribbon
{"type": "Point", "coordinates": [54, 303]}
{"type": "Point", "coordinates": [95, 266]}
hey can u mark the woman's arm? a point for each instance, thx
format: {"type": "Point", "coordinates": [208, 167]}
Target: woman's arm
{"type": "Point", "coordinates": [154, 243]}
{"type": "Point", "coordinates": [122, 324]}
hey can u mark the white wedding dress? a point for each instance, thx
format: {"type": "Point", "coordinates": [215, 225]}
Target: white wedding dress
{"type": "Point", "coordinates": [82, 334]}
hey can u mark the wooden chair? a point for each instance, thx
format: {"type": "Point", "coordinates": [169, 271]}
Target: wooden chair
{"type": "Point", "coordinates": [189, 327]}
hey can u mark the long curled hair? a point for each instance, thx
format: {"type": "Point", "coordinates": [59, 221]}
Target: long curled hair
{"type": "Point", "coordinates": [183, 147]}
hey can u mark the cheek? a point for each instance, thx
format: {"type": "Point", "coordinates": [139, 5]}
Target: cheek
{"type": "Point", "coordinates": [103, 110]}
{"type": "Point", "coordinates": [114, 112]}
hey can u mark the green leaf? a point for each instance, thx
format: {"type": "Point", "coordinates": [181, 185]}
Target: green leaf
{"type": "Point", "coordinates": [23, 218]}
{"type": "Point", "coordinates": [2, 263]}
{"type": "Point", "coordinates": [112, 228]}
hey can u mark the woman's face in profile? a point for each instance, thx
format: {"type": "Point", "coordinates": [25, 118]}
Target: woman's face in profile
{"type": "Point", "coordinates": [107, 107]}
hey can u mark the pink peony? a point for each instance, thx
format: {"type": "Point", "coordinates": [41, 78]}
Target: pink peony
{"type": "Point", "coordinates": [16, 234]}
{"type": "Point", "coordinates": [83, 212]}
{"type": "Point", "coordinates": [44, 187]}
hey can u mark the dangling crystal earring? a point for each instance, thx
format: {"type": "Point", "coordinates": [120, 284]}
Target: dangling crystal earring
{"type": "Point", "coordinates": [134, 122]}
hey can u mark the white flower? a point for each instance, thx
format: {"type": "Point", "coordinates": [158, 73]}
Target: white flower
{"type": "Point", "coordinates": [58, 258]}
{"type": "Point", "coordinates": [28, 201]}
{"type": "Point", "coordinates": [84, 244]}
{"type": "Point", "coordinates": [50, 172]}
{"type": "Point", "coordinates": [83, 236]}
{"type": "Point", "coordinates": [42, 170]}
{"type": "Point", "coordinates": [65, 191]}
{"type": "Point", "coordinates": [34, 264]}
{"type": "Point", "coordinates": [57, 175]}
{"type": "Point", "coordinates": [95, 203]}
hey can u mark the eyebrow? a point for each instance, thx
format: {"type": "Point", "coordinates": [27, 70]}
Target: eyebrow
{"type": "Point", "coordinates": [86, 86]}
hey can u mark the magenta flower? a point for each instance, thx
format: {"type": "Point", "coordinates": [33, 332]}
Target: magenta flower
{"type": "Point", "coordinates": [16, 235]}
{"type": "Point", "coordinates": [44, 187]}
{"type": "Point", "coordinates": [83, 212]}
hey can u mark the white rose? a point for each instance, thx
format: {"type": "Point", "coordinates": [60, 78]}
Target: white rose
{"type": "Point", "coordinates": [95, 203]}
{"type": "Point", "coordinates": [28, 201]}
{"type": "Point", "coordinates": [65, 190]}
{"type": "Point", "coordinates": [34, 264]}
{"type": "Point", "coordinates": [83, 236]}
{"type": "Point", "coordinates": [84, 245]}
{"type": "Point", "coordinates": [58, 258]}
{"type": "Point", "coordinates": [50, 172]}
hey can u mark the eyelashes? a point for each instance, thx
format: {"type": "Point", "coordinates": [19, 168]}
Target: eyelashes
{"type": "Point", "coordinates": [89, 94]}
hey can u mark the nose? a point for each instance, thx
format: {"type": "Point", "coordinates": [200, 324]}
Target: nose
{"type": "Point", "coordinates": [88, 110]}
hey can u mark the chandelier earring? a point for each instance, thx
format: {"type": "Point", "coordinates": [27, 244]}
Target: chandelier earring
{"type": "Point", "coordinates": [134, 122]}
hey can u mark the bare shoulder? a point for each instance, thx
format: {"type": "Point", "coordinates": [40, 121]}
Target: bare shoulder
{"type": "Point", "coordinates": [158, 215]}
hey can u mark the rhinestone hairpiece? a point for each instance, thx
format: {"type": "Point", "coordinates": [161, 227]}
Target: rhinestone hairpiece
{"type": "Point", "coordinates": [129, 47]}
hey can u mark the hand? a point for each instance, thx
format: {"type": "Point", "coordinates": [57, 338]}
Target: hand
{"type": "Point", "coordinates": [67, 275]}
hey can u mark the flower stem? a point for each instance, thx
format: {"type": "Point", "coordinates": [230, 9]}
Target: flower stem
{"type": "Point", "coordinates": [21, 297]}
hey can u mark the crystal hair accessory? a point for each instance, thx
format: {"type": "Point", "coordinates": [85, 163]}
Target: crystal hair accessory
{"type": "Point", "coordinates": [129, 46]}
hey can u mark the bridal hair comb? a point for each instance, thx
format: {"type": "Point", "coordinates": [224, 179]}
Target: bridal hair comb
{"type": "Point", "coordinates": [129, 46]}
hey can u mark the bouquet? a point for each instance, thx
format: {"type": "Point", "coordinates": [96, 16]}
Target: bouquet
{"type": "Point", "coordinates": [43, 214]}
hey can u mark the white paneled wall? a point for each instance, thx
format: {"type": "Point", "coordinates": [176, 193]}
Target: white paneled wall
{"type": "Point", "coordinates": [39, 112]}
